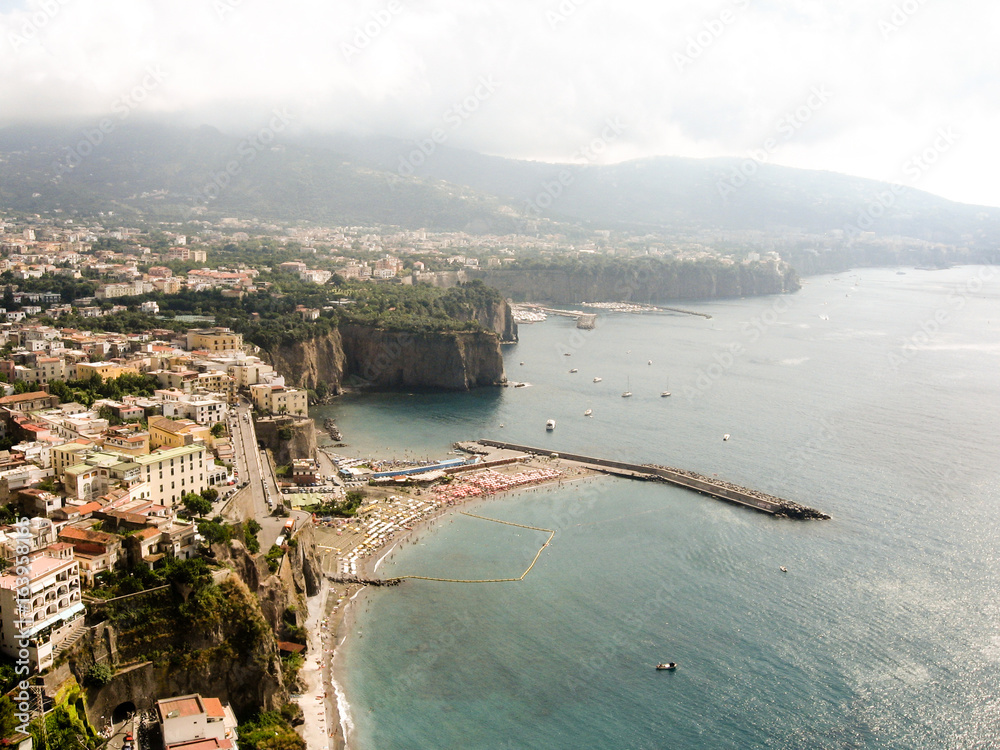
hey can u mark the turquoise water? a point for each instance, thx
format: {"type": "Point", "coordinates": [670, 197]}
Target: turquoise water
{"type": "Point", "coordinates": [884, 633]}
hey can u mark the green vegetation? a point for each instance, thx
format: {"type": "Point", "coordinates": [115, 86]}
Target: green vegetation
{"type": "Point", "coordinates": [269, 731]}
{"type": "Point", "coordinates": [218, 430]}
{"type": "Point", "coordinates": [91, 389]}
{"type": "Point", "coordinates": [215, 532]}
{"type": "Point", "coordinates": [269, 318]}
{"type": "Point", "coordinates": [250, 530]}
{"type": "Point", "coordinates": [66, 726]}
{"type": "Point", "coordinates": [196, 505]}
{"type": "Point", "coordinates": [99, 674]}
{"type": "Point", "coordinates": [346, 508]}
{"type": "Point", "coordinates": [273, 558]}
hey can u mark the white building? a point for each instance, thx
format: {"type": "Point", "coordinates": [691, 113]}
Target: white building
{"type": "Point", "coordinates": [195, 722]}
{"type": "Point", "coordinates": [40, 616]}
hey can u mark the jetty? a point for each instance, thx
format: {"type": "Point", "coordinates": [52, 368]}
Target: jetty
{"type": "Point", "coordinates": [365, 581]}
{"type": "Point", "coordinates": [690, 480]}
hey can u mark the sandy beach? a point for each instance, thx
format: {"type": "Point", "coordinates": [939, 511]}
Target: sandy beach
{"type": "Point", "coordinates": [330, 612]}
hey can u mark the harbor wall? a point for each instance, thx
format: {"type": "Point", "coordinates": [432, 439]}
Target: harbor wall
{"type": "Point", "coordinates": [740, 496]}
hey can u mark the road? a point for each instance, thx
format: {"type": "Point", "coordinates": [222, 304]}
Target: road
{"type": "Point", "coordinates": [255, 469]}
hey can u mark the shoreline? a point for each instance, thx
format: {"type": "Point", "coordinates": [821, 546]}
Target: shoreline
{"type": "Point", "coordinates": [340, 619]}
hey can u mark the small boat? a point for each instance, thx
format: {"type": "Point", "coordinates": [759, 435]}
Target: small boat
{"type": "Point", "coordinates": [650, 362]}
{"type": "Point", "coordinates": [783, 569]}
{"type": "Point", "coordinates": [597, 380]}
{"type": "Point", "coordinates": [522, 363]}
{"type": "Point", "coordinates": [574, 370]}
{"type": "Point", "coordinates": [628, 390]}
{"type": "Point", "coordinates": [519, 385]}
{"type": "Point", "coordinates": [550, 425]}
{"type": "Point", "coordinates": [665, 394]}
{"type": "Point", "coordinates": [588, 413]}
{"type": "Point", "coordinates": [567, 354]}
{"type": "Point", "coordinates": [725, 437]}
{"type": "Point", "coordinates": [670, 666]}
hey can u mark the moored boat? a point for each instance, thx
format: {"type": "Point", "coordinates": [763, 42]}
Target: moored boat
{"type": "Point", "coordinates": [550, 425]}
{"type": "Point", "coordinates": [669, 666]}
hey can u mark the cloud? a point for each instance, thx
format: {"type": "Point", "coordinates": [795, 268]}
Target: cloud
{"type": "Point", "coordinates": [686, 78]}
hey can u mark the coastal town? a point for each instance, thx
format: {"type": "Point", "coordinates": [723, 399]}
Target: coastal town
{"type": "Point", "coordinates": [136, 463]}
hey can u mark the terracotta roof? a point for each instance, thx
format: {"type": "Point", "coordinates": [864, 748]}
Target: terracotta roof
{"type": "Point", "coordinates": [213, 707]}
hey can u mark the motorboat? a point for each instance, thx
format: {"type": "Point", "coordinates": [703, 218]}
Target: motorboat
{"type": "Point", "coordinates": [550, 425]}
{"type": "Point", "coordinates": [574, 370]}
{"type": "Point", "coordinates": [669, 666]}
{"type": "Point", "coordinates": [725, 437]}
{"type": "Point", "coordinates": [649, 362]}
{"type": "Point", "coordinates": [783, 569]}
{"type": "Point", "coordinates": [588, 413]}
{"type": "Point", "coordinates": [664, 394]}
{"type": "Point", "coordinates": [597, 380]}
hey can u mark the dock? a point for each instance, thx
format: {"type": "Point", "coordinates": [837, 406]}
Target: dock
{"type": "Point", "coordinates": [689, 480]}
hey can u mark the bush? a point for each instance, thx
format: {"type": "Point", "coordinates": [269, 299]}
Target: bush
{"type": "Point", "coordinates": [99, 675]}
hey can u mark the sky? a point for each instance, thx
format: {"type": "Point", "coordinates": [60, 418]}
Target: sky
{"type": "Point", "coordinates": [905, 91]}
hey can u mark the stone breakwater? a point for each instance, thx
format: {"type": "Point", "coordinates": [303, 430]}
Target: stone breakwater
{"type": "Point", "coordinates": [690, 480]}
{"type": "Point", "coordinates": [781, 507]}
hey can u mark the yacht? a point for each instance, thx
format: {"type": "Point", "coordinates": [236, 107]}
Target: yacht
{"type": "Point", "coordinates": [628, 392]}
{"type": "Point", "coordinates": [550, 425]}
{"type": "Point", "coordinates": [664, 394]}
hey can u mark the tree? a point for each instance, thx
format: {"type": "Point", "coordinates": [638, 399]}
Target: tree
{"type": "Point", "coordinates": [210, 493]}
{"type": "Point", "coordinates": [196, 505]}
{"type": "Point", "coordinates": [8, 721]}
{"type": "Point", "coordinates": [218, 429]}
{"type": "Point", "coordinates": [99, 675]}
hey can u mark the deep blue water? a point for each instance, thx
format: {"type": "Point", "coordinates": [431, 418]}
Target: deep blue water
{"type": "Point", "coordinates": [870, 395]}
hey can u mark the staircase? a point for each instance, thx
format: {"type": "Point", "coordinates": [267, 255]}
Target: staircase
{"type": "Point", "coordinates": [78, 631]}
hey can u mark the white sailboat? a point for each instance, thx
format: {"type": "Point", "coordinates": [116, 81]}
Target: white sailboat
{"type": "Point", "coordinates": [628, 389]}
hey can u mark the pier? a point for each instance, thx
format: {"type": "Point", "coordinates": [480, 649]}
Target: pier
{"type": "Point", "coordinates": [719, 489]}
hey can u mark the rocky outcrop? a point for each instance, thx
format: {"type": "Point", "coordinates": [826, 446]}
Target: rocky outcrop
{"type": "Point", "coordinates": [374, 357]}
{"type": "Point", "coordinates": [227, 652]}
{"type": "Point", "coordinates": [367, 355]}
{"type": "Point", "coordinates": [454, 361]}
{"type": "Point", "coordinates": [287, 437]}
{"type": "Point", "coordinates": [306, 363]}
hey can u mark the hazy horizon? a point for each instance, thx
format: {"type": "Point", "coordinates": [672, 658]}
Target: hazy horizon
{"type": "Point", "coordinates": [892, 91]}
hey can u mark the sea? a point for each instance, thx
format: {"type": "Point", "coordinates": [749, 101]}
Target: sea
{"type": "Point", "coordinates": [872, 395]}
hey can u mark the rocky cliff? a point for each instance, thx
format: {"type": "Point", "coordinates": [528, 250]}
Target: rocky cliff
{"type": "Point", "coordinates": [393, 359]}
{"type": "Point", "coordinates": [287, 437]}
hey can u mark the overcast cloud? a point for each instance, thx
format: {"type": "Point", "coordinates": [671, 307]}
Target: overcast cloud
{"type": "Point", "coordinates": [855, 86]}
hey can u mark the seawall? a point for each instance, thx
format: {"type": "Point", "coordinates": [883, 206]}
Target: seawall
{"type": "Point", "coordinates": [690, 480]}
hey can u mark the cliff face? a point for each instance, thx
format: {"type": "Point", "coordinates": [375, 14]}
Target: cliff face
{"type": "Point", "coordinates": [391, 359]}
{"type": "Point", "coordinates": [287, 437]}
{"type": "Point", "coordinates": [450, 361]}
{"type": "Point", "coordinates": [684, 282]}
{"type": "Point", "coordinates": [306, 363]}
